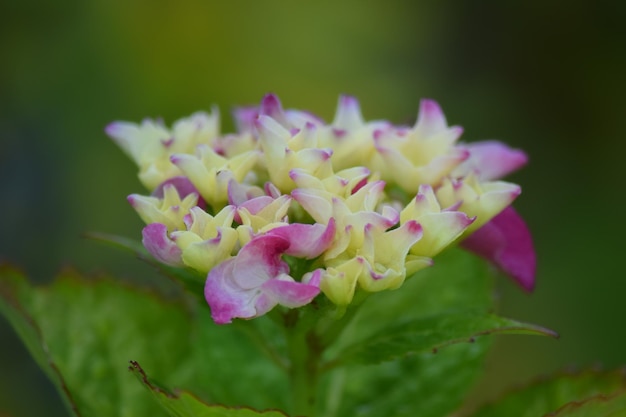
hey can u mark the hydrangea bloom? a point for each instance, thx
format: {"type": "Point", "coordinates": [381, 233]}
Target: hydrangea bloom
{"type": "Point", "coordinates": [289, 206]}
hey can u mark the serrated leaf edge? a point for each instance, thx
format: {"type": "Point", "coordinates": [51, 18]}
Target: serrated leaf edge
{"type": "Point", "coordinates": [600, 398]}
{"type": "Point", "coordinates": [532, 329]}
{"type": "Point", "coordinates": [138, 371]}
{"type": "Point", "coordinates": [564, 373]}
{"type": "Point", "coordinates": [7, 294]}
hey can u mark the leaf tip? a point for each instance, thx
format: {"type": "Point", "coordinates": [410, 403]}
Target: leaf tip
{"type": "Point", "coordinates": [138, 371]}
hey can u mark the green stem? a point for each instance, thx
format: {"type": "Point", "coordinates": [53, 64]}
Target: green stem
{"type": "Point", "coordinates": [307, 336]}
{"type": "Point", "coordinates": [336, 325]}
{"type": "Point", "coordinates": [303, 372]}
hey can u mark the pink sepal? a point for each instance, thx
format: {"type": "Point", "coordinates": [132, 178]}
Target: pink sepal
{"type": "Point", "coordinates": [183, 186]}
{"type": "Point", "coordinates": [506, 242]}
{"type": "Point", "coordinates": [159, 244]}
{"type": "Point", "coordinates": [259, 260]}
{"type": "Point", "coordinates": [491, 160]}
{"type": "Point", "coordinates": [271, 106]}
{"type": "Point", "coordinates": [240, 193]}
{"type": "Point", "coordinates": [290, 293]}
{"type": "Point", "coordinates": [348, 115]}
{"type": "Point", "coordinates": [245, 117]}
{"type": "Point", "coordinates": [306, 240]}
{"type": "Point", "coordinates": [226, 300]}
{"type": "Point", "coordinates": [253, 282]}
{"type": "Point", "coordinates": [431, 119]}
{"type": "Point", "coordinates": [251, 198]}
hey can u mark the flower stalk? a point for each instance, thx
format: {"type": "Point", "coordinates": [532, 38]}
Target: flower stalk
{"type": "Point", "coordinates": [304, 353]}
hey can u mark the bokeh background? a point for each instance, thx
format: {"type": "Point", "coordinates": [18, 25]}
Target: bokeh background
{"type": "Point", "coordinates": [548, 77]}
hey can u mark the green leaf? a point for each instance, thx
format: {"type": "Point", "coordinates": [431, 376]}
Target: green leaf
{"type": "Point", "coordinates": [192, 280]}
{"type": "Point", "coordinates": [457, 280]}
{"type": "Point", "coordinates": [87, 330]}
{"type": "Point", "coordinates": [580, 394]}
{"type": "Point", "coordinates": [184, 404]}
{"type": "Point", "coordinates": [11, 288]}
{"type": "Point", "coordinates": [424, 385]}
{"type": "Point", "coordinates": [597, 406]}
{"type": "Point", "coordinates": [431, 334]}
{"type": "Point", "coordinates": [84, 332]}
{"type": "Point", "coordinates": [233, 366]}
{"type": "Point", "coordinates": [421, 384]}
{"type": "Point", "coordinates": [81, 336]}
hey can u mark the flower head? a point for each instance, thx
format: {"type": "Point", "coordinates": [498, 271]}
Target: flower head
{"type": "Point", "coordinates": [289, 206]}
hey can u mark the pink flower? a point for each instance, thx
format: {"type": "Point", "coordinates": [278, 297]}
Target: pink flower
{"type": "Point", "coordinates": [271, 106]}
{"type": "Point", "coordinates": [257, 279]}
{"type": "Point", "coordinates": [256, 207]}
{"type": "Point", "coordinates": [157, 241]}
{"type": "Point", "coordinates": [423, 154]}
{"type": "Point", "coordinates": [183, 186]}
{"type": "Point", "coordinates": [505, 239]}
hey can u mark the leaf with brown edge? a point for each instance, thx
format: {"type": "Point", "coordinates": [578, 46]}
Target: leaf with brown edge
{"type": "Point", "coordinates": [431, 334]}
{"type": "Point", "coordinates": [597, 406]}
{"type": "Point", "coordinates": [562, 394]}
{"type": "Point", "coordinates": [80, 332]}
{"type": "Point", "coordinates": [12, 285]}
{"type": "Point", "coordinates": [83, 332]}
{"type": "Point", "coordinates": [449, 303]}
{"type": "Point", "coordinates": [432, 385]}
{"type": "Point", "coordinates": [184, 404]}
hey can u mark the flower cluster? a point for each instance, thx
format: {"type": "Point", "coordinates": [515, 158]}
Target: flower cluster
{"type": "Point", "coordinates": [290, 206]}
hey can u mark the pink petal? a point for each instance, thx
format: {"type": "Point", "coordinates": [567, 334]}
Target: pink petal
{"type": "Point", "coordinates": [506, 241]}
{"type": "Point", "coordinates": [302, 118]}
{"type": "Point", "coordinates": [247, 196]}
{"type": "Point", "coordinates": [290, 293]}
{"type": "Point", "coordinates": [318, 207]}
{"type": "Point", "coordinates": [253, 282]}
{"type": "Point", "coordinates": [384, 221]}
{"type": "Point", "coordinates": [240, 193]}
{"type": "Point", "coordinates": [431, 119]}
{"type": "Point", "coordinates": [271, 190]}
{"type": "Point", "coordinates": [183, 186]}
{"type": "Point", "coordinates": [271, 106]}
{"type": "Point", "coordinates": [348, 115]}
{"type": "Point", "coordinates": [274, 135]}
{"type": "Point", "coordinates": [259, 260]}
{"type": "Point", "coordinates": [124, 134]}
{"type": "Point", "coordinates": [359, 185]}
{"type": "Point", "coordinates": [245, 117]}
{"type": "Point", "coordinates": [226, 300]}
{"type": "Point", "coordinates": [306, 240]}
{"type": "Point", "coordinates": [313, 278]}
{"type": "Point", "coordinates": [159, 244]}
{"type": "Point", "coordinates": [491, 160]}
{"type": "Point", "coordinates": [257, 204]}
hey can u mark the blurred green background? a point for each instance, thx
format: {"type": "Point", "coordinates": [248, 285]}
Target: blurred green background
{"type": "Point", "coordinates": [548, 77]}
